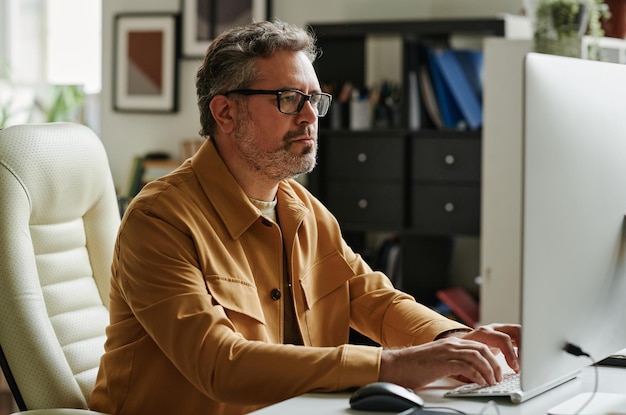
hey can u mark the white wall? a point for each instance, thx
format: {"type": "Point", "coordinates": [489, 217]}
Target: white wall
{"type": "Point", "coordinates": [127, 135]}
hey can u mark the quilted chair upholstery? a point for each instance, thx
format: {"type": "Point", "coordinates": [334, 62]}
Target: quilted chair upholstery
{"type": "Point", "coordinates": [59, 219]}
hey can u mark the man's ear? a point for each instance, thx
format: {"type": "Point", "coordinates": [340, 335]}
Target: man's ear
{"type": "Point", "coordinates": [224, 111]}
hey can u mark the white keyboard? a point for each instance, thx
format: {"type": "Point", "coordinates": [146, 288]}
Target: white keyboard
{"type": "Point", "coordinates": [509, 386]}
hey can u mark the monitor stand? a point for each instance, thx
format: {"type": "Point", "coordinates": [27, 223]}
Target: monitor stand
{"type": "Point", "coordinates": [602, 403]}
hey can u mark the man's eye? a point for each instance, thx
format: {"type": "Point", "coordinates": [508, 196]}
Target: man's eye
{"type": "Point", "coordinates": [288, 98]}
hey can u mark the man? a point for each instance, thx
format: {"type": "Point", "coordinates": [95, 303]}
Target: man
{"type": "Point", "coordinates": [232, 288]}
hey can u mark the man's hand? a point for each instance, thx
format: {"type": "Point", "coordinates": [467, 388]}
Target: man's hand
{"type": "Point", "coordinates": [501, 338]}
{"type": "Point", "coordinates": [468, 355]}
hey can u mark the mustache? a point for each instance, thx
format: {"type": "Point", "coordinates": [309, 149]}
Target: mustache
{"type": "Point", "coordinates": [306, 131]}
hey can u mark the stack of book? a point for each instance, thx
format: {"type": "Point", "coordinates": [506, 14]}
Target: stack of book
{"type": "Point", "coordinates": [147, 168]}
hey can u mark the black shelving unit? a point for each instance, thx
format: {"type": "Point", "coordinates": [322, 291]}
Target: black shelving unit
{"type": "Point", "coordinates": [422, 185]}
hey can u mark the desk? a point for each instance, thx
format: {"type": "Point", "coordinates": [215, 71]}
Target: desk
{"type": "Point", "coordinates": [610, 380]}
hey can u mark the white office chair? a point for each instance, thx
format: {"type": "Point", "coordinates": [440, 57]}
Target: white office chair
{"type": "Point", "coordinates": [58, 222]}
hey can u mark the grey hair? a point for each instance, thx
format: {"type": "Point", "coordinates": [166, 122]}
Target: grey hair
{"type": "Point", "coordinates": [229, 62]}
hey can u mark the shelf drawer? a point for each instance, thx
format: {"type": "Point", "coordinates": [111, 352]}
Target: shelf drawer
{"type": "Point", "coordinates": [367, 157]}
{"type": "Point", "coordinates": [445, 209]}
{"type": "Point", "coordinates": [445, 159]}
{"type": "Point", "coordinates": [367, 205]}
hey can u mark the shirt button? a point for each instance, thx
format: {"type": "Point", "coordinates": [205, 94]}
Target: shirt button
{"type": "Point", "coordinates": [276, 294]}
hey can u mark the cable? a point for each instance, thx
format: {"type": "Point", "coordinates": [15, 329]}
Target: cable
{"type": "Point", "coordinates": [575, 350]}
{"type": "Point", "coordinates": [487, 405]}
{"type": "Point", "coordinates": [416, 411]}
{"type": "Point", "coordinates": [451, 410]}
{"type": "Point", "coordinates": [443, 408]}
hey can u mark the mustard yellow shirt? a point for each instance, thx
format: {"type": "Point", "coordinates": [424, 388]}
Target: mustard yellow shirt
{"type": "Point", "coordinates": [197, 300]}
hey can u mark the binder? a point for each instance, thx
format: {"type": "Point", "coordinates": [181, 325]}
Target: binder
{"type": "Point", "coordinates": [471, 61]}
{"type": "Point", "coordinates": [414, 100]}
{"type": "Point", "coordinates": [460, 87]}
{"type": "Point", "coordinates": [135, 179]}
{"type": "Point", "coordinates": [461, 304]}
{"type": "Point", "coordinates": [448, 108]}
{"type": "Point", "coordinates": [428, 95]}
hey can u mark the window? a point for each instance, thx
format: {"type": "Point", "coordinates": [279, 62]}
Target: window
{"type": "Point", "coordinates": [74, 44]}
{"type": "Point", "coordinates": [47, 48]}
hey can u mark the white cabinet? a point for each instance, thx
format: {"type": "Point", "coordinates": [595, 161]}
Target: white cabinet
{"type": "Point", "coordinates": [501, 215]}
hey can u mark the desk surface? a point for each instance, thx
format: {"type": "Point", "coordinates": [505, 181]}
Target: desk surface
{"type": "Point", "coordinates": [610, 380]}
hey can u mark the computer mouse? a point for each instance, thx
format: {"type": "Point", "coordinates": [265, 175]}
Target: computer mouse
{"type": "Point", "coordinates": [384, 397]}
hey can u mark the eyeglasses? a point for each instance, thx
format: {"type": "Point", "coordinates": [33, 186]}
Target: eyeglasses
{"type": "Point", "coordinates": [291, 101]}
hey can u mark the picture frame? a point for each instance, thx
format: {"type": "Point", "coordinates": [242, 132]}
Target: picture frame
{"type": "Point", "coordinates": [203, 20]}
{"type": "Point", "coordinates": [145, 62]}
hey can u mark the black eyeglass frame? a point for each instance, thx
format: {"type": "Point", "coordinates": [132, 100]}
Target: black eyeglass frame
{"type": "Point", "coordinates": [279, 92]}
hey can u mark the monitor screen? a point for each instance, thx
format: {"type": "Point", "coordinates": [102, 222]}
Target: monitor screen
{"type": "Point", "coordinates": [573, 258]}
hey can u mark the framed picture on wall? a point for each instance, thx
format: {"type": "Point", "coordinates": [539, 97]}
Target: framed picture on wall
{"type": "Point", "coordinates": [203, 20]}
{"type": "Point", "coordinates": [144, 73]}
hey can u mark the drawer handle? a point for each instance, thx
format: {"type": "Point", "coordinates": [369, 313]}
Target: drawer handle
{"type": "Point", "coordinates": [449, 159]}
{"type": "Point", "coordinates": [449, 207]}
{"type": "Point", "coordinates": [361, 157]}
{"type": "Point", "coordinates": [362, 203]}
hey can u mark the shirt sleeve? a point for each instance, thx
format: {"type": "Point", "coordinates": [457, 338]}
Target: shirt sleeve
{"type": "Point", "coordinates": [389, 316]}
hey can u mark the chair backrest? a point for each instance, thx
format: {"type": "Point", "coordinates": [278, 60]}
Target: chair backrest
{"type": "Point", "coordinates": [58, 222]}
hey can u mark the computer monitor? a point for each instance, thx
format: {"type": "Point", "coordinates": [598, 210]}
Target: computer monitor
{"type": "Point", "coordinates": [574, 207]}
{"type": "Point", "coordinates": [570, 284]}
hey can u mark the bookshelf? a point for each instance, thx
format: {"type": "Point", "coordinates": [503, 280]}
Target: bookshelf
{"type": "Point", "coordinates": [404, 176]}
{"type": "Point", "coordinates": [146, 169]}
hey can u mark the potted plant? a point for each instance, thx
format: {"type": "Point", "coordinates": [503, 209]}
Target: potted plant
{"type": "Point", "coordinates": [64, 103]}
{"type": "Point", "coordinates": [561, 24]}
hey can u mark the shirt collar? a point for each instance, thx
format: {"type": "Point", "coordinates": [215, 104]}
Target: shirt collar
{"type": "Point", "coordinates": [229, 200]}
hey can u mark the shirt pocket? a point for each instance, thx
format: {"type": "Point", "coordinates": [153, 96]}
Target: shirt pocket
{"type": "Point", "coordinates": [238, 297]}
{"type": "Point", "coordinates": [326, 276]}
